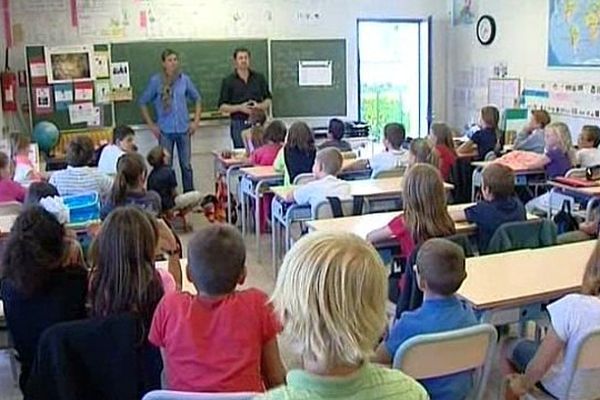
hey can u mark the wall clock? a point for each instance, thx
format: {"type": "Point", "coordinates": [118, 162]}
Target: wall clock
{"type": "Point", "coordinates": [486, 30]}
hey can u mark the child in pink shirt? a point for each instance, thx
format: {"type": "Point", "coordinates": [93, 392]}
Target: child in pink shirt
{"type": "Point", "coordinates": [274, 136]}
{"type": "Point", "coordinates": [9, 189]}
{"type": "Point", "coordinates": [221, 339]}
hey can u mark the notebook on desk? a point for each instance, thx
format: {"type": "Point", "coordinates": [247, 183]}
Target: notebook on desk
{"type": "Point", "coordinates": [576, 182]}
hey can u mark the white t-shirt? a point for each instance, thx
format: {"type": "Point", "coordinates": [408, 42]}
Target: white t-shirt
{"type": "Point", "coordinates": [389, 160]}
{"type": "Point", "coordinates": [587, 157]}
{"type": "Point", "coordinates": [108, 159]}
{"type": "Point", "coordinates": [317, 191]}
{"type": "Point", "coordinates": [573, 317]}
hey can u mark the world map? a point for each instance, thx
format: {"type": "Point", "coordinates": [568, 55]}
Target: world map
{"type": "Point", "coordinates": [574, 33]}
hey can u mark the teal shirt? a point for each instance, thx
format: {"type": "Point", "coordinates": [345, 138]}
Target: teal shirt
{"type": "Point", "coordinates": [370, 382]}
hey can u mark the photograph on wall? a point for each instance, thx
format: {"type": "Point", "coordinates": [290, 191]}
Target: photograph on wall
{"type": "Point", "coordinates": [573, 37]}
{"type": "Point", "coordinates": [463, 12]}
{"type": "Point", "coordinates": [69, 63]}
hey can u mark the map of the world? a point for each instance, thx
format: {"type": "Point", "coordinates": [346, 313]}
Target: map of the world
{"type": "Point", "coordinates": [574, 33]}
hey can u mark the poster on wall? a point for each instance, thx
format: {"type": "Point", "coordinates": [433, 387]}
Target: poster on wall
{"type": "Point", "coordinates": [43, 100]}
{"type": "Point", "coordinates": [463, 12]}
{"type": "Point", "coordinates": [573, 38]}
{"type": "Point", "coordinates": [69, 63]}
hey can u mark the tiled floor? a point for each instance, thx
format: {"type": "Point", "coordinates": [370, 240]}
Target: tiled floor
{"type": "Point", "coordinates": [260, 274]}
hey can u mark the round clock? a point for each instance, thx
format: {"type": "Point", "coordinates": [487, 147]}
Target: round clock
{"type": "Point", "coordinates": [486, 30]}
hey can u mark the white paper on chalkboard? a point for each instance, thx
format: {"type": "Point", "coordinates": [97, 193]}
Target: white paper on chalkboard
{"type": "Point", "coordinates": [315, 73]}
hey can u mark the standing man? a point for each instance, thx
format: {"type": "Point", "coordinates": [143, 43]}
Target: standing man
{"type": "Point", "coordinates": [242, 92]}
{"type": "Point", "coordinates": [169, 92]}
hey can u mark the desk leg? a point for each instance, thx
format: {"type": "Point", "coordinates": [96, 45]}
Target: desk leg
{"type": "Point", "coordinates": [243, 204]}
{"type": "Point", "coordinates": [257, 215]}
{"type": "Point", "coordinates": [275, 237]}
{"type": "Point", "coordinates": [473, 184]}
{"type": "Point", "coordinates": [550, 203]}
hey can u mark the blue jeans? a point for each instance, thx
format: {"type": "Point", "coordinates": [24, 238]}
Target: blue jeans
{"type": "Point", "coordinates": [235, 129]}
{"type": "Point", "coordinates": [184, 152]}
{"type": "Point", "coordinates": [522, 354]}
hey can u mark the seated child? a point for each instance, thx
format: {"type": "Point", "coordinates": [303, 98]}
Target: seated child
{"type": "Point", "coordinates": [499, 205]}
{"type": "Point", "coordinates": [123, 142]}
{"type": "Point", "coordinates": [273, 140]}
{"type": "Point", "coordinates": [335, 135]}
{"type": "Point", "coordinates": [489, 138]}
{"type": "Point", "coordinates": [298, 154]}
{"type": "Point", "coordinates": [25, 171]}
{"type": "Point", "coordinates": [39, 286]}
{"type": "Point", "coordinates": [531, 138]}
{"type": "Point", "coordinates": [327, 165]}
{"type": "Point", "coordinates": [546, 364]}
{"type": "Point", "coordinates": [331, 296]}
{"type": "Point", "coordinates": [130, 187]}
{"type": "Point", "coordinates": [162, 180]}
{"type": "Point", "coordinates": [221, 339]}
{"type": "Point", "coordinates": [556, 161]}
{"type": "Point", "coordinates": [588, 154]}
{"type": "Point", "coordinates": [254, 135]}
{"type": "Point", "coordinates": [79, 177]}
{"type": "Point", "coordinates": [9, 189]}
{"type": "Point", "coordinates": [440, 270]}
{"type": "Point", "coordinates": [422, 151]}
{"type": "Point", "coordinates": [394, 155]}
{"type": "Point", "coordinates": [440, 135]}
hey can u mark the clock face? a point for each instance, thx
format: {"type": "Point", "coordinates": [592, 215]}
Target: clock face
{"type": "Point", "coordinates": [486, 30]}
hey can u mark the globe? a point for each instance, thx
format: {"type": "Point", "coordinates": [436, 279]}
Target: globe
{"type": "Point", "coordinates": [45, 134]}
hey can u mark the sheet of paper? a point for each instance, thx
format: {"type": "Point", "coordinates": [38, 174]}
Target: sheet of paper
{"type": "Point", "coordinates": [119, 77]}
{"type": "Point", "coordinates": [63, 95]}
{"type": "Point", "coordinates": [84, 91]}
{"type": "Point", "coordinates": [315, 73]}
{"type": "Point", "coordinates": [81, 113]}
{"type": "Point", "coordinates": [43, 100]}
{"type": "Point", "coordinates": [97, 117]}
{"type": "Point", "coordinates": [102, 89]}
{"type": "Point", "coordinates": [101, 64]}
{"type": "Point", "coordinates": [37, 69]}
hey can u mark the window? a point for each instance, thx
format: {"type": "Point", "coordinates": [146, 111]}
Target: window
{"type": "Point", "coordinates": [393, 74]}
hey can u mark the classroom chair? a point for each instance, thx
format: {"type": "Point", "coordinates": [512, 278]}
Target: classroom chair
{"type": "Point", "coordinates": [449, 353]}
{"type": "Point", "coordinates": [587, 357]}
{"type": "Point", "coordinates": [7, 345]}
{"type": "Point", "coordinates": [349, 155]}
{"type": "Point", "coordinates": [391, 173]}
{"type": "Point", "coordinates": [174, 395]}
{"type": "Point", "coordinates": [529, 234]}
{"type": "Point", "coordinates": [302, 179]}
{"type": "Point", "coordinates": [334, 207]}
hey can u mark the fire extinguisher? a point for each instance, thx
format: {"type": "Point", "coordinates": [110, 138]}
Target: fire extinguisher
{"type": "Point", "coordinates": [9, 90]}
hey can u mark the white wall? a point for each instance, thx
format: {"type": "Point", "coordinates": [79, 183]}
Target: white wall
{"type": "Point", "coordinates": [262, 18]}
{"type": "Point", "coordinates": [520, 43]}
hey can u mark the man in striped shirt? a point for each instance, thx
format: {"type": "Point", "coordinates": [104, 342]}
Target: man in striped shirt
{"type": "Point", "coordinates": [78, 177]}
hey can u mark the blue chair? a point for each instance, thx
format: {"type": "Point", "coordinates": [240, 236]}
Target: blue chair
{"type": "Point", "coordinates": [440, 354]}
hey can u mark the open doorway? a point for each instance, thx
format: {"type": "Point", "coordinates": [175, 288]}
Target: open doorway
{"type": "Point", "coordinates": [394, 74]}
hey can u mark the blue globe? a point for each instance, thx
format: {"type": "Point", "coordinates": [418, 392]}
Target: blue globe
{"type": "Point", "coordinates": [45, 134]}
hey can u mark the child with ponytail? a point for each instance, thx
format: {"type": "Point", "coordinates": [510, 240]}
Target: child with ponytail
{"type": "Point", "coordinates": [129, 187]}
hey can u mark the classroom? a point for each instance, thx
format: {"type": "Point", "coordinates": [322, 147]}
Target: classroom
{"type": "Point", "coordinates": [307, 199]}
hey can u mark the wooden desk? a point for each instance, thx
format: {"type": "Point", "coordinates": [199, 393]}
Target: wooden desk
{"type": "Point", "coordinates": [268, 172]}
{"type": "Point", "coordinates": [483, 164]}
{"type": "Point", "coordinates": [187, 286]}
{"type": "Point", "coordinates": [590, 191]}
{"type": "Point", "coordinates": [363, 187]}
{"type": "Point", "coordinates": [524, 277]}
{"type": "Point", "coordinates": [361, 225]}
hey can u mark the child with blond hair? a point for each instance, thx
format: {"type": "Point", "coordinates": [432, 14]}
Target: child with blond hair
{"type": "Point", "coordinates": [331, 297]}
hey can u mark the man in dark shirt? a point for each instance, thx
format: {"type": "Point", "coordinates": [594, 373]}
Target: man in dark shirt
{"type": "Point", "coordinates": [241, 92]}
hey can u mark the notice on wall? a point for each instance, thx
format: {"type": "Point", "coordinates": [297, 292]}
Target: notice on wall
{"type": "Point", "coordinates": [101, 64]}
{"type": "Point", "coordinates": [43, 100]}
{"type": "Point", "coordinates": [119, 81]}
{"type": "Point", "coordinates": [81, 113]}
{"type": "Point", "coordinates": [84, 91]}
{"type": "Point", "coordinates": [315, 73]}
{"type": "Point", "coordinates": [504, 93]}
{"type": "Point", "coordinates": [63, 95]}
{"type": "Point", "coordinates": [102, 90]}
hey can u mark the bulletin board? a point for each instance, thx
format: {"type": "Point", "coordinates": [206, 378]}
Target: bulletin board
{"type": "Point", "coordinates": [52, 102]}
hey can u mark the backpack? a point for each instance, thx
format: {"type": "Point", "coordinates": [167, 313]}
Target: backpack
{"type": "Point", "coordinates": [564, 220]}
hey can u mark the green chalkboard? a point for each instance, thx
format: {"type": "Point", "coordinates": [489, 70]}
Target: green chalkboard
{"type": "Point", "coordinates": [292, 100]}
{"type": "Point", "coordinates": [207, 62]}
{"type": "Point", "coordinates": [60, 117]}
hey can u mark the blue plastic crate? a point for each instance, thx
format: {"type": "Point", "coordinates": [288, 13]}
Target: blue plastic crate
{"type": "Point", "coordinates": [83, 207]}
